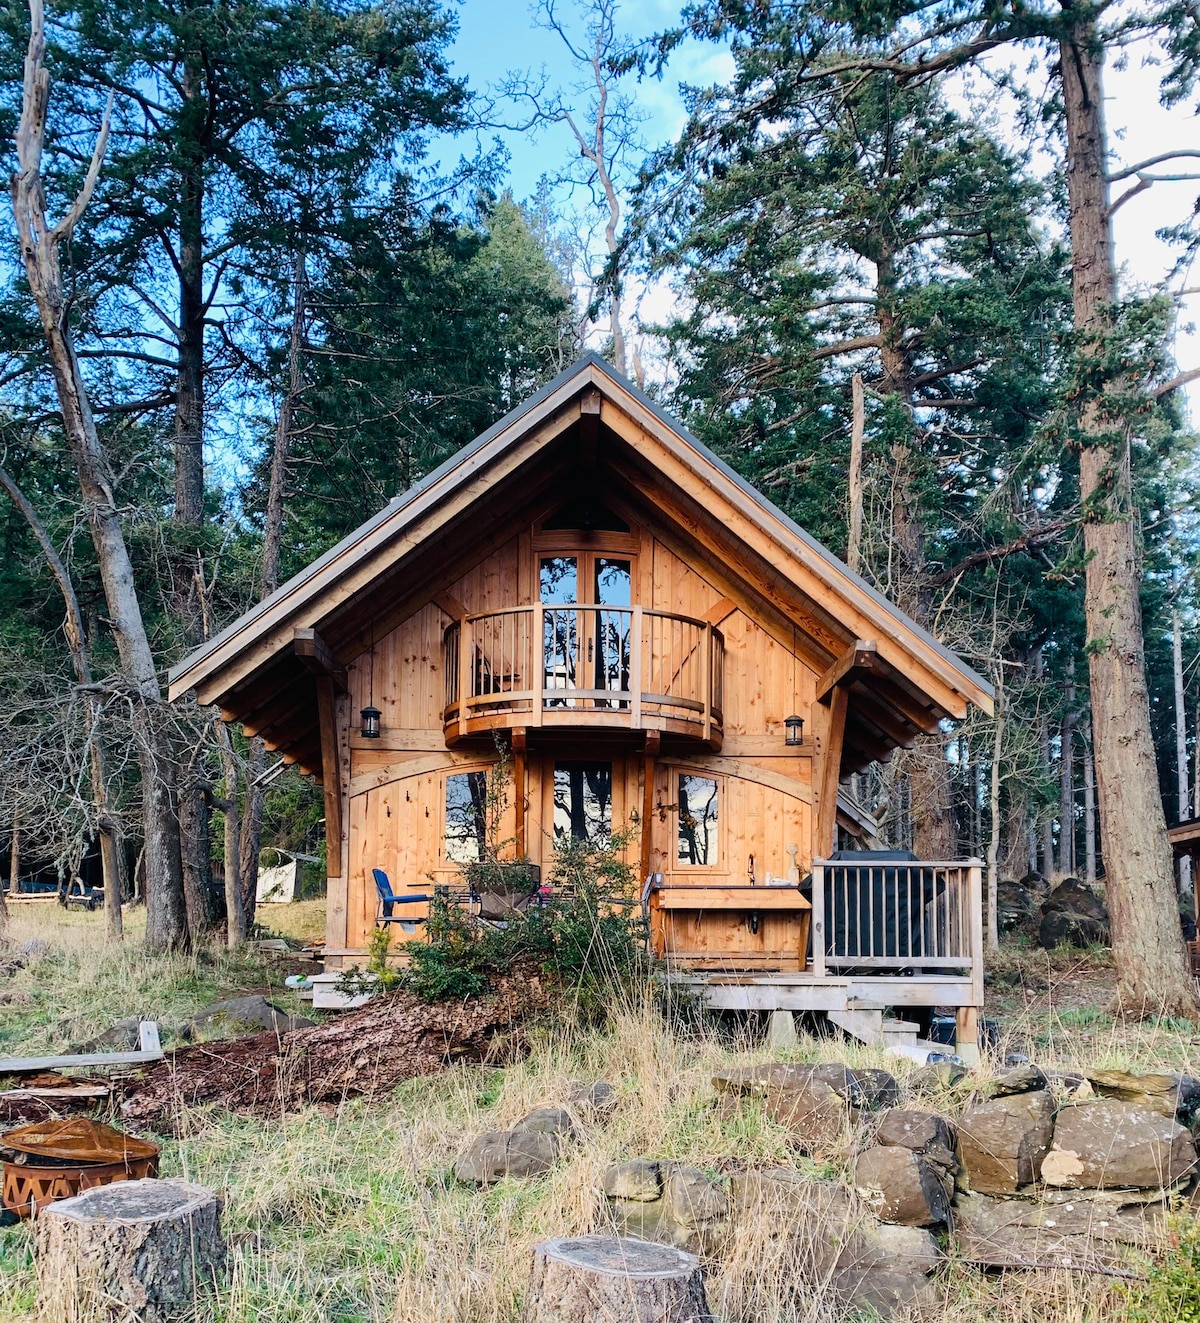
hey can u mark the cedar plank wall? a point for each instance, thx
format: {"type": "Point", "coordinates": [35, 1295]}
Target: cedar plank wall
{"type": "Point", "coordinates": [396, 803]}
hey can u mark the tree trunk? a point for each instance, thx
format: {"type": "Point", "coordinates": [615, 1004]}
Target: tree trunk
{"type": "Point", "coordinates": [235, 916]}
{"type": "Point", "coordinates": [1152, 971]}
{"type": "Point", "coordinates": [993, 851]}
{"type": "Point", "coordinates": [195, 830]}
{"type": "Point", "coordinates": [857, 430]}
{"type": "Point", "coordinates": [146, 1249]}
{"type": "Point", "coordinates": [165, 919]}
{"type": "Point", "coordinates": [1089, 807]}
{"type": "Point", "coordinates": [1066, 779]}
{"type": "Point", "coordinates": [582, 1278]}
{"type": "Point", "coordinates": [250, 844]}
{"type": "Point", "coordinates": [189, 377]}
{"type": "Point", "coordinates": [1181, 756]}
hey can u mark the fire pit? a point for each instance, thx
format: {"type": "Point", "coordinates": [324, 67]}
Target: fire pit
{"type": "Point", "coordinates": [59, 1159]}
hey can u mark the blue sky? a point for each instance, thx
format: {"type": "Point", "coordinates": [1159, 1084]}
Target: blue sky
{"type": "Point", "coordinates": [499, 36]}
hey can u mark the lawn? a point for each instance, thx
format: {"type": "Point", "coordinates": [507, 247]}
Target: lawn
{"type": "Point", "coordinates": [352, 1212]}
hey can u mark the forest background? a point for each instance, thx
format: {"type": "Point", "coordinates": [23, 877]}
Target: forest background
{"type": "Point", "coordinates": [303, 279]}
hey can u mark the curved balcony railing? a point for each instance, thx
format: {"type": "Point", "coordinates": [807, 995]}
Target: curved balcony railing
{"type": "Point", "coordinates": [591, 666]}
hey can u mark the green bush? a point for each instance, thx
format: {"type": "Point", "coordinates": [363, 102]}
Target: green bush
{"type": "Point", "coordinates": [587, 936]}
{"type": "Point", "coordinates": [1172, 1286]}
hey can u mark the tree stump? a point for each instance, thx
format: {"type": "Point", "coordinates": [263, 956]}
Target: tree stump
{"type": "Point", "coordinates": [607, 1279]}
{"type": "Point", "coordinates": [136, 1250]}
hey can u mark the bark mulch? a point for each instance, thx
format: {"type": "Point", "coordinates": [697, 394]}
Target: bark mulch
{"type": "Point", "coordinates": [363, 1053]}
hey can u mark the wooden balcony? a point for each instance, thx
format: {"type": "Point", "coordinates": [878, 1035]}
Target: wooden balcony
{"type": "Point", "coordinates": [583, 668]}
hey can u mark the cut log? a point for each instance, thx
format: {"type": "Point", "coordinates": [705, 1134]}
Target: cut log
{"type": "Point", "coordinates": [142, 1250]}
{"type": "Point", "coordinates": [579, 1279]}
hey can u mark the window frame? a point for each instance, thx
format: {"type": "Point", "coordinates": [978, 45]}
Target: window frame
{"type": "Point", "coordinates": [716, 866]}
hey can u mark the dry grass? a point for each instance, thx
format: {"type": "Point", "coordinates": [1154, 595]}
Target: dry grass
{"type": "Point", "coordinates": [353, 1213]}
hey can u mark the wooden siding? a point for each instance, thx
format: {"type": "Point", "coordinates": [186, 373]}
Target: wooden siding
{"type": "Point", "coordinates": [396, 785]}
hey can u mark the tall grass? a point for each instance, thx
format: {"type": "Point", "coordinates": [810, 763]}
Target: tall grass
{"type": "Point", "coordinates": [352, 1212]}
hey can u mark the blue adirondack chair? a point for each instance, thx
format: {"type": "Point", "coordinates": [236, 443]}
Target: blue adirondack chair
{"type": "Point", "coordinates": [388, 900]}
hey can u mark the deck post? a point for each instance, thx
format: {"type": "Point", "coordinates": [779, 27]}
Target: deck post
{"type": "Point", "coordinates": [818, 918]}
{"type": "Point", "coordinates": [466, 657]}
{"type": "Point", "coordinates": [968, 1016]}
{"type": "Point", "coordinates": [537, 658]}
{"type": "Point", "coordinates": [635, 669]}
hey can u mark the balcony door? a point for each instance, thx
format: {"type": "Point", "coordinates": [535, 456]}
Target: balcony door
{"type": "Point", "coordinates": [586, 640]}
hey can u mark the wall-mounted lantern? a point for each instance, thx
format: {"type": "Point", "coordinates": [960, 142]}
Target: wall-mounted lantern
{"type": "Point", "coordinates": [795, 731]}
{"type": "Point", "coordinates": [370, 722]}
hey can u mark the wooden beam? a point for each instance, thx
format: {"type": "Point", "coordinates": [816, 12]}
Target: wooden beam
{"type": "Point", "coordinates": [313, 651]}
{"type": "Point", "coordinates": [862, 657]}
{"type": "Point", "coordinates": [719, 611]}
{"type": "Point", "coordinates": [520, 744]}
{"type": "Point", "coordinates": [450, 604]}
{"type": "Point", "coordinates": [148, 1044]}
{"type": "Point", "coordinates": [827, 771]}
{"type": "Point", "coordinates": [330, 780]}
{"type": "Point", "coordinates": [865, 707]}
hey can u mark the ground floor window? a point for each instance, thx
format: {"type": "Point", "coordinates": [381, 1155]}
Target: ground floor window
{"type": "Point", "coordinates": [466, 817]}
{"type": "Point", "coordinates": [583, 802]}
{"type": "Point", "coordinates": [697, 843]}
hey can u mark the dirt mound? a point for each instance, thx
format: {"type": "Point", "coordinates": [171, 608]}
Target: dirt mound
{"type": "Point", "coordinates": [363, 1053]}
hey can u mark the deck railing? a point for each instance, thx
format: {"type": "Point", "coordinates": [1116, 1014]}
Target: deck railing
{"type": "Point", "coordinates": [601, 665]}
{"type": "Point", "coordinates": [893, 915]}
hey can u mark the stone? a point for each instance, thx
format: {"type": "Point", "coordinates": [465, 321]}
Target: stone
{"type": "Point", "coordinates": [639, 1181]}
{"type": "Point", "coordinates": [121, 1037]}
{"type": "Point", "coordinates": [1021, 1233]}
{"type": "Point", "coordinates": [1108, 1144]}
{"type": "Point", "coordinates": [923, 1132]}
{"type": "Point", "coordinates": [693, 1199]}
{"type": "Point", "coordinates": [548, 1121]}
{"type": "Point", "coordinates": [1177, 1096]}
{"type": "Point", "coordinates": [142, 1250]}
{"type": "Point", "coordinates": [1018, 902]}
{"type": "Point", "coordinates": [246, 1013]}
{"type": "Point", "coordinates": [814, 1113]}
{"type": "Point", "coordinates": [1072, 915]}
{"type": "Point", "coordinates": [1020, 1079]}
{"type": "Point", "coordinates": [598, 1097]}
{"type": "Point", "coordinates": [860, 1088]}
{"type": "Point", "coordinates": [880, 1088]}
{"type": "Point", "coordinates": [900, 1186]}
{"type": "Point", "coordinates": [936, 1078]}
{"type": "Point", "coordinates": [834, 1246]}
{"type": "Point", "coordinates": [500, 1153]}
{"type": "Point", "coordinates": [1001, 1143]}
{"type": "Point", "coordinates": [910, 1249]}
{"type": "Point", "coordinates": [749, 1081]}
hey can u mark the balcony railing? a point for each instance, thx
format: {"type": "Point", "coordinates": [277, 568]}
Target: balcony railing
{"type": "Point", "coordinates": [894, 916]}
{"type": "Point", "coordinates": [588, 665]}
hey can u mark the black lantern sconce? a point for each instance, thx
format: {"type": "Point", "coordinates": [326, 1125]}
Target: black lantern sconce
{"type": "Point", "coordinates": [370, 722]}
{"type": "Point", "coordinates": [795, 731]}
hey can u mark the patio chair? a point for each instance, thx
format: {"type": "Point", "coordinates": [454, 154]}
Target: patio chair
{"type": "Point", "coordinates": [388, 900]}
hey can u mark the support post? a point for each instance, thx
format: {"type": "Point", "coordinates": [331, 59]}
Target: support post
{"type": "Point", "coordinates": [519, 742]}
{"type": "Point", "coordinates": [818, 918]}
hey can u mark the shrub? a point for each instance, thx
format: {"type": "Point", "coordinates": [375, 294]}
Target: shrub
{"type": "Point", "coordinates": [587, 935]}
{"type": "Point", "coordinates": [1172, 1286]}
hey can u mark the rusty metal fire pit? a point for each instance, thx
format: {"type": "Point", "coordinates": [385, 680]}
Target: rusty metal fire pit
{"type": "Point", "coordinates": [59, 1159]}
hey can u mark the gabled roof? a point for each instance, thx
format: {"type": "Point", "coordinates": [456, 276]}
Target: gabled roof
{"type": "Point", "coordinates": [221, 669]}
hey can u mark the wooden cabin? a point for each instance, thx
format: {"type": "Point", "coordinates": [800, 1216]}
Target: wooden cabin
{"type": "Point", "coordinates": [656, 644]}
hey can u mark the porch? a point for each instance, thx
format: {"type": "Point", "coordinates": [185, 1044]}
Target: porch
{"type": "Point", "coordinates": [863, 932]}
